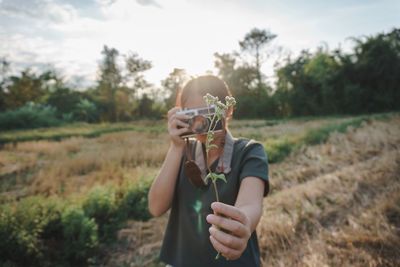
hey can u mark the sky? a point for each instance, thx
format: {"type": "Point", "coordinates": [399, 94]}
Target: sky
{"type": "Point", "coordinates": [69, 35]}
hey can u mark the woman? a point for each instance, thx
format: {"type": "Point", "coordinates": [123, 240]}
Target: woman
{"type": "Point", "coordinates": [198, 226]}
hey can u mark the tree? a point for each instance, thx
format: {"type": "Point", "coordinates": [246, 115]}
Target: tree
{"type": "Point", "coordinates": [173, 83]}
{"type": "Point", "coordinates": [136, 66]}
{"type": "Point", "coordinates": [241, 78]}
{"type": "Point", "coordinates": [145, 106]}
{"type": "Point", "coordinates": [64, 99]}
{"type": "Point", "coordinates": [28, 87]}
{"type": "Point", "coordinates": [109, 81]}
{"type": "Point", "coordinates": [253, 43]}
{"type": "Point", "coordinates": [4, 69]}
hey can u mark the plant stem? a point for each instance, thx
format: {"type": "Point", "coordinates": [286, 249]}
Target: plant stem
{"type": "Point", "coordinates": [216, 190]}
{"type": "Point", "coordinates": [214, 182]}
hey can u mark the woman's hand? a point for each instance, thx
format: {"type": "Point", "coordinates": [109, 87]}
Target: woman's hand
{"type": "Point", "coordinates": [175, 120]}
{"type": "Point", "coordinates": [232, 241]}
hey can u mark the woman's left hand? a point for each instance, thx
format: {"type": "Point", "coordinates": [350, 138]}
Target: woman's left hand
{"type": "Point", "coordinates": [234, 230]}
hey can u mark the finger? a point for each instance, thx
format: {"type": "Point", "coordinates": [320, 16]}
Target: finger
{"type": "Point", "coordinates": [173, 111]}
{"type": "Point", "coordinates": [227, 240]}
{"type": "Point", "coordinates": [179, 131]}
{"type": "Point", "coordinates": [235, 227]}
{"type": "Point", "coordinates": [228, 253]}
{"type": "Point", "coordinates": [229, 211]}
{"type": "Point", "coordinates": [177, 124]}
{"type": "Point", "coordinates": [182, 116]}
{"type": "Point", "coordinates": [180, 123]}
{"type": "Point", "coordinates": [177, 117]}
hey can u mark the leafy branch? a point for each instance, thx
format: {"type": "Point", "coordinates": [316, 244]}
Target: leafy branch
{"type": "Point", "coordinates": [220, 113]}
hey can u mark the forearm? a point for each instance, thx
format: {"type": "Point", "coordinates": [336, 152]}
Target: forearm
{"type": "Point", "coordinates": [250, 200]}
{"type": "Point", "coordinates": [253, 212]}
{"type": "Point", "coordinates": [162, 189]}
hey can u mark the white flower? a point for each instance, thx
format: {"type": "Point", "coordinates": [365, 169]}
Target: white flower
{"type": "Point", "coordinates": [210, 100]}
{"type": "Point", "coordinates": [230, 101]}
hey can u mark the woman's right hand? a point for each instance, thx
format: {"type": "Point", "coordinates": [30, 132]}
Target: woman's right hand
{"type": "Point", "coordinates": [175, 120]}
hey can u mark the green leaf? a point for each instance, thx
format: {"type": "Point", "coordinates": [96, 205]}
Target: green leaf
{"type": "Point", "coordinates": [209, 176]}
{"type": "Point", "coordinates": [221, 176]}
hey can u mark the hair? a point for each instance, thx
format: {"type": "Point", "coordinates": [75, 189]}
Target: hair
{"type": "Point", "coordinates": [203, 85]}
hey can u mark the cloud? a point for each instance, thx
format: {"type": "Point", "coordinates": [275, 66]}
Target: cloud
{"type": "Point", "coordinates": [39, 9]}
{"type": "Point", "coordinates": [140, 2]}
{"type": "Point", "coordinates": [148, 3]}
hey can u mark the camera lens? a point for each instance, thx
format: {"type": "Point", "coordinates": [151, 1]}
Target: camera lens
{"type": "Point", "coordinates": [198, 124]}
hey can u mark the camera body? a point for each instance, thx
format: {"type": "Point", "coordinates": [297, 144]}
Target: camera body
{"type": "Point", "coordinates": [200, 121]}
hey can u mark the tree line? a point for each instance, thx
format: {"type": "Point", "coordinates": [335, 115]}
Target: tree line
{"type": "Point", "coordinates": [324, 82]}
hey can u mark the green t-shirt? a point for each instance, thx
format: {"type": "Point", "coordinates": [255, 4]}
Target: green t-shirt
{"type": "Point", "coordinates": [186, 242]}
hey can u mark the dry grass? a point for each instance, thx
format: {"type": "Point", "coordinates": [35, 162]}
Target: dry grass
{"type": "Point", "coordinates": [335, 204]}
{"type": "Point", "coordinates": [77, 164]}
{"type": "Point", "coordinates": [323, 210]}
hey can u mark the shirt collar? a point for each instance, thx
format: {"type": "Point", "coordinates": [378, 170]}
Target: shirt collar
{"type": "Point", "coordinates": [224, 162]}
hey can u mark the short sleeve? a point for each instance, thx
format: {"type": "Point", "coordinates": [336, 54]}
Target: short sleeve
{"type": "Point", "coordinates": [255, 163]}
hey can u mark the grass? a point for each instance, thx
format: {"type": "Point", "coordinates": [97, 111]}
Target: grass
{"type": "Point", "coordinates": [77, 130]}
{"type": "Point", "coordinates": [332, 164]}
{"type": "Point", "coordinates": [278, 148]}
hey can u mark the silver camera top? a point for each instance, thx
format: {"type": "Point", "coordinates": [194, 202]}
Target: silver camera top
{"type": "Point", "coordinates": [204, 111]}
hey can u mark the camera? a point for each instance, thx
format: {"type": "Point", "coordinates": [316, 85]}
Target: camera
{"type": "Point", "coordinates": [200, 121]}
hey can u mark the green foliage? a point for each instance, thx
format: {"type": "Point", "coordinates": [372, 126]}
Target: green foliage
{"type": "Point", "coordinates": [80, 236]}
{"type": "Point", "coordinates": [26, 229]}
{"type": "Point", "coordinates": [279, 148]}
{"type": "Point", "coordinates": [39, 231]}
{"type": "Point", "coordinates": [29, 116]}
{"type": "Point", "coordinates": [364, 81]}
{"type": "Point", "coordinates": [18, 246]}
{"type": "Point", "coordinates": [28, 87]}
{"type": "Point", "coordinates": [102, 207]}
{"type": "Point", "coordinates": [85, 110]}
{"type": "Point", "coordinates": [76, 129]}
{"type": "Point", "coordinates": [134, 203]}
{"type": "Point", "coordinates": [172, 84]}
{"type": "Point", "coordinates": [317, 136]}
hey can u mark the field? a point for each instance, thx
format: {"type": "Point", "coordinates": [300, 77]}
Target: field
{"type": "Point", "coordinates": [334, 197]}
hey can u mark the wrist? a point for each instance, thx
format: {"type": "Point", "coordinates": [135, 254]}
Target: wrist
{"type": "Point", "coordinates": [174, 147]}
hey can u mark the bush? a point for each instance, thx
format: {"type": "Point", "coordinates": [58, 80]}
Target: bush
{"type": "Point", "coordinates": [318, 136]}
{"type": "Point", "coordinates": [29, 116]}
{"type": "Point", "coordinates": [134, 204]}
{"type": "Point", "coordinates": [80, 236]}
{"type": "Point", "coordinates": [38, 231]}
{"type": "Point", "coordinates": [24, 229]}
{"type": "Point", "coordinates": [101, 206]}
{"type": "Point", "coordinates": [278, 149]}
{"type": "Point", "coordinates": [18, 246]}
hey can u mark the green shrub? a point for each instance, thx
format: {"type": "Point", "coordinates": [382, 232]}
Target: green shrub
{"type": "Point", "coordinates": [278, 149]}
{"type": "Point", "coordinates": [39, 231]}
{"type": "Point", "coordinates": [79, 235]}
{"type": "Point", "coordinates": [18, 246]}
{"type": "Point", "coordinates": [321, 135]}
{"type": "Point", "coordinates": [101, 206]}
{"type": "Point", "coordinates": [29, 116]}
{"type": "Point", "coordinates": [134, 204]}
{"type": "Point", "coordinates": [30, 232]}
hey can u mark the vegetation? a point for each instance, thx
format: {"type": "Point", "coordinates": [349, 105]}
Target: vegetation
{"type": "Point", "coordinates": [38, 231]}
{"type": "Point", "coordinates": [324, 82]}
{"type": "Point", "coordinates": [65, 202]}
